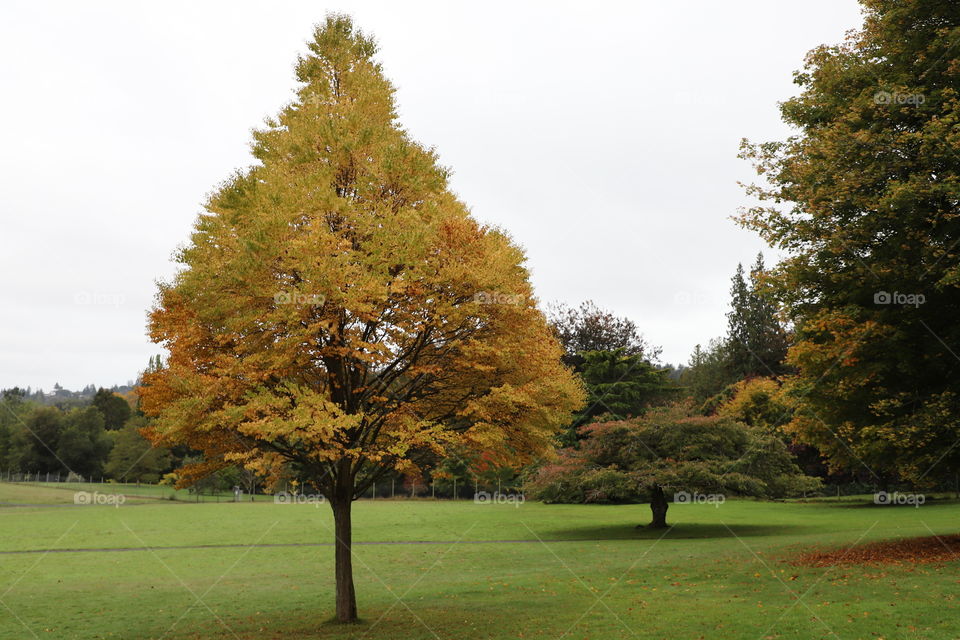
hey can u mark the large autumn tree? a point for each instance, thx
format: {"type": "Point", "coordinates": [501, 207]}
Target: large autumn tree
{"type": "Point", "coordinates": [340, 312]}
{"type": "Point", "coordinates": [864, 202]}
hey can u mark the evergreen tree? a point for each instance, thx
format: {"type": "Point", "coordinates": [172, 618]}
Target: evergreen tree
{"type": "Point", "coordinates": [756, 342]}
{"type": "Point", "coordinates": [619, 386]}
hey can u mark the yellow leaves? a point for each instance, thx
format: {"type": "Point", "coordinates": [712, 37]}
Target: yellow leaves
{"type": "Point", "coordinates": [328, 303]}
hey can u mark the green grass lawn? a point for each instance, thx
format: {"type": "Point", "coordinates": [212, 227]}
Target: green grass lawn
{"type": "Point", "coordinates": [577, 572]}
{"type": "Point", "coordinates": [62, 492]}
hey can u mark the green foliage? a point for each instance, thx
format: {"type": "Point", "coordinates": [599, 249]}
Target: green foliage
{"type": "Point", "coordinates": [133, 458]}
{"type": "Point", "coordinates": [755, 343]}
{"type": "Point", "coordinates": [871, 182]}
{"type": "Point", "coordinates": [618, 385]}
{"type": "Point", "coordinates": [620, 460]}
{"type": "Point", "coordinates": [34, 441]}
{"type": "Point", "coordinates": [707, 373]}
{"type": "Point", "coordinates": [590, 328]}
{"type": "Point", "coordinates": [115, 409]}
{"type": "Point", "coordinates": [83, 445]}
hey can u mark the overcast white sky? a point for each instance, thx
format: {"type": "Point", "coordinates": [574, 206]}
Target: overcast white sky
{"type": "Point", "coordinates": [603, 136]}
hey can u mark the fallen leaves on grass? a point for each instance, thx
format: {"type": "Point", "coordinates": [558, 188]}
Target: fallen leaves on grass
{"type": "Point", "coordinates": [926, 550]}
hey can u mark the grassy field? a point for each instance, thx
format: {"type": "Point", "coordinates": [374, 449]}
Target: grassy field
{"type": "Point", "coordinates": [14, 494]}
{"type": "Point", "coordinates": [437, 570]}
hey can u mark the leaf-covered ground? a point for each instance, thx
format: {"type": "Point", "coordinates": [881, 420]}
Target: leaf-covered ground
{"type": "Point", "coordinates": [924, 550]}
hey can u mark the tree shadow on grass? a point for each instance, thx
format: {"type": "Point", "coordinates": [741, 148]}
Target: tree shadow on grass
{"type": "Point", "coordinates": [680, 531]}
{"type": "Point", "coordinates": [928, 503]}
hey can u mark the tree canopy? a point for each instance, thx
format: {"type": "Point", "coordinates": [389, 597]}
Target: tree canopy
{"type": "Point", "coordinates": [863, 200]}
{"type": "Point", "coordinates": [590, 328]}
{"type": "Point", "coordinates": [668, 450]}
{"type": "Point", "coordinates": [339, 310]}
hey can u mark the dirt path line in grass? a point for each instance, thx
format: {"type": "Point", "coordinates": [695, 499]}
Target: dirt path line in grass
{"type": "Point", "coordinates": [298, 544]}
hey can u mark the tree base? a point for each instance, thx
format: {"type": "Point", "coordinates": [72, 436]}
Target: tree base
{"type": "Point", "coordinates": [654, 525]}
{"type": "Point", "coordinates": [334, 621]}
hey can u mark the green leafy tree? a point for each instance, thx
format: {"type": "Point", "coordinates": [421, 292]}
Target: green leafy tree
{"type": "Point", "coordinates": [34, 442]}
{"type": "Point", "coordinates": [707, 373]}
{"type": "Point", "coordinates": [13, 407]}
{"type": "Point", "coordinates": [590, 328]}
{"type": "Point", "coordinates": [83, 445]}
{"type": "Point", "coordinates": [618, 385]}
{"type": "Point", "coordinates": [871, 228]}
{"type": "Point", "coordinates": [755, 343]}
{"type": "Point", "coordinates": [115, 409]}
{"type": "Point", "coordinates": [133, 458]}
{"type": "Point", "coordinates": [669, 451]}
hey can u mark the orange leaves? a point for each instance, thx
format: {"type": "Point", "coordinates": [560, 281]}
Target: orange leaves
{"type": "Point", "coordinates": [329, 307]}
{"type": "Point", "coordinates": [926, 550]}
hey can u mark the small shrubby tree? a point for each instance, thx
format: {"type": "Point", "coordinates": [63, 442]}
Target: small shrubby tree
{"type": "Point", "coordinates": [670, 451]}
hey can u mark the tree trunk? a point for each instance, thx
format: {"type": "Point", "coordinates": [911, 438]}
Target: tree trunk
{"type": "Point", "coordinates": [658, 507]}
{"type": "Point", "coordinates": [346, 596]}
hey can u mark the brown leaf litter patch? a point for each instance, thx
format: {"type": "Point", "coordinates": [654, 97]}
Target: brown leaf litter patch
{"type": "Point", "coordinates": [926, 550]}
